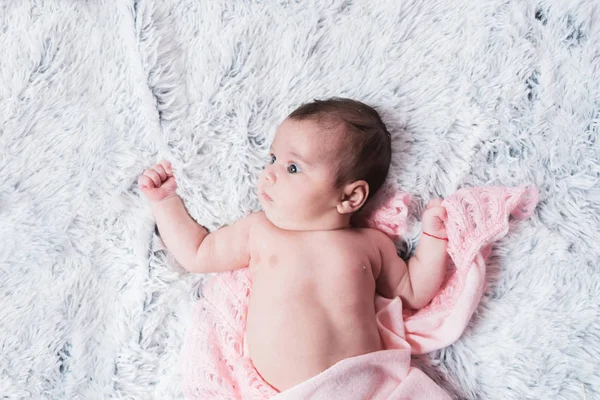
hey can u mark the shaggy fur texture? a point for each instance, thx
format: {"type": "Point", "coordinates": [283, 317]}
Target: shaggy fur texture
{"type": "Point", "coordinates": [474, 93]}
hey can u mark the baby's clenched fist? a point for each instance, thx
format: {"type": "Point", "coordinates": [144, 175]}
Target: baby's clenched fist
{"type": "Point", "coordinates": [434, 219]}
{"type": "Point", "coordinates": [158, 183]}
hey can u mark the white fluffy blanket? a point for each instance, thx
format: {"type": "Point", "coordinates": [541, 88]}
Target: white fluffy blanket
{"type": "Point", "coordinates": [474, 93]}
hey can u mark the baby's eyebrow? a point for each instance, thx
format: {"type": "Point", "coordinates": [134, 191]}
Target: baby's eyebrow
{"type": "Point", "coordinates": [299, 157]}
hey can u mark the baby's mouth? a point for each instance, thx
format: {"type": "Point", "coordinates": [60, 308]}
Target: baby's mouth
{"type": "Point", "coordinates": [266, 196]}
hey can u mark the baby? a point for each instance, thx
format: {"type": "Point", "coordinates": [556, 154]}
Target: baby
{"type": "Point", "coordinates": [314, 275]}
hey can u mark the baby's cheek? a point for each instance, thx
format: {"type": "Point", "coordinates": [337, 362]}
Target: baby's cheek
{"type": "Point", "coordinates": [313, 206]}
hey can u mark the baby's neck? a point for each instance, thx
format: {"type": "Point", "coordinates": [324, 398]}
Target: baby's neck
{"type": "Point", "coordinates": [326, 223]}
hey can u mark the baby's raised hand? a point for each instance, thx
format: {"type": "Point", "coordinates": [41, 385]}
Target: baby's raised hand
{"type": "Point", "coordinates": [433, 219]}
{"type": "Point", "coordinates": [158, 183]}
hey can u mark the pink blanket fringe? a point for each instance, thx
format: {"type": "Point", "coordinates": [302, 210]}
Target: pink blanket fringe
{"type": "Point", "coordinates": [213, 362]}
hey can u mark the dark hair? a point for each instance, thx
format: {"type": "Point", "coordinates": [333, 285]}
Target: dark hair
{"type": "Point", "coordinates": [368, 150]}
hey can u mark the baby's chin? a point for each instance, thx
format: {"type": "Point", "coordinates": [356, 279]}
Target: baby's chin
{"type": "Point", "coordinates": [278, 220]}
{"type": "Point", "coordinates": [273, 217]}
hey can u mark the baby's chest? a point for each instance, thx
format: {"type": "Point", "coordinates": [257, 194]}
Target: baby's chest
{"type": "Point", "coordinates": [311, 255]}
{"type": "Point", "coordinates": [301, 267]}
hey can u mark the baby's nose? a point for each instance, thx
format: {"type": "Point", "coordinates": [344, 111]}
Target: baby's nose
{"type": "Point", "coordinates": [270, 176]}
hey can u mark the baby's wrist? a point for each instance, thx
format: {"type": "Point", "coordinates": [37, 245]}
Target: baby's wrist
{"type": "Point", "coordinates": [436, 235]}
{"type": "Point", "coordinates": [162, 202]}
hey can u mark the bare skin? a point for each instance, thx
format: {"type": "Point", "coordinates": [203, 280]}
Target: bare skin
{"type": "Point", "coordinates": [314, 276]}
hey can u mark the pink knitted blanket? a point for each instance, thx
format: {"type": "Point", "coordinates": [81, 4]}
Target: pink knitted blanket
{"type": "Point", "coordinates": [215, 365]}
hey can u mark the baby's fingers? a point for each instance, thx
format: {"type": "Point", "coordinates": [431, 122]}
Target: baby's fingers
{"type": "Point", "coordinates": [440, 213]}
{"type": "Point", "coordinates": [167, 167]}
{"type": "Point", "coordinates": [161, 172]}
{"type": "Point", "coordinates": [152, 174]}
{"type": "Point", "coordinates": [144, 182]}
{"type": "Point", "coordinates": [443, 214]}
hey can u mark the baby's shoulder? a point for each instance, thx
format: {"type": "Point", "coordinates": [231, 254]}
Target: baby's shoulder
{"type": "Point", "coordinates": [255, 219]}
{"type": "Point", "coordinates": [363, 237]}
{"type": "Point", "coordinates": [247, 224]}
{"type": "Point", "coordinates": [369, 233]}
{"type": "Point", "coordinates": [376, 239]}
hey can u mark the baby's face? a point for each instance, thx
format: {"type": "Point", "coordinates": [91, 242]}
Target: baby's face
{"type": "Point", "coordinates": [297, 188]}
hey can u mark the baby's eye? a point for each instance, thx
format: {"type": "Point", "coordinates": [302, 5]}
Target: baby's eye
{"type": "Point", "coordinates": [273, 159]}
{"type": "Point", "coordinates": [293, 168]}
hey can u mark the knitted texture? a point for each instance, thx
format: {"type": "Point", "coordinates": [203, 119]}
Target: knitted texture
{"type": "Point", "coordinates": [214, 362]}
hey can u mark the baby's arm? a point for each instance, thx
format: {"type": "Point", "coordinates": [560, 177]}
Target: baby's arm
{"type": "Point", "coordinates": [191, 244]}
{"type": "Point", "coordinates": [194, 247]}
{"type": "Point", "coordinates": [418, 282]}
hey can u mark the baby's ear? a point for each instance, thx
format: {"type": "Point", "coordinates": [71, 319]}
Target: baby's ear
{"type": "Point", "coordinates": [353, 197]}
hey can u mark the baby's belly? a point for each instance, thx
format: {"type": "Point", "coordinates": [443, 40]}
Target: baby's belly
{"type": "Point", "coordinates": [295, 331]}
